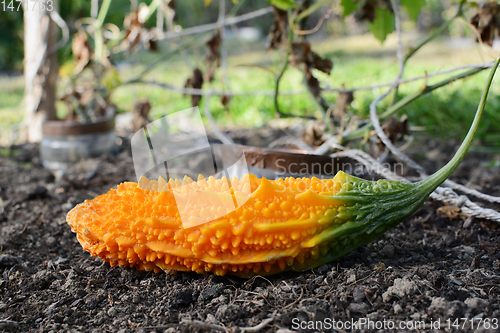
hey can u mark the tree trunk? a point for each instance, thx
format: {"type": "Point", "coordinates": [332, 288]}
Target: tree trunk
{"type": "Point", "coordinates": [40, 69]}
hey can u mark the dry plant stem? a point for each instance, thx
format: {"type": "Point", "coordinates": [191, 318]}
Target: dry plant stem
{"type": "Point", "coordinates": [206, 92]}
{"type": "Point", "coordinates": [318, 25]}
{"type": "Point", "coordinates": [213, 26]}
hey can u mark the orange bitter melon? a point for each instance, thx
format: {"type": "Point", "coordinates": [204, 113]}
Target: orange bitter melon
{"type": "Point", "coordinates": [285, 224]}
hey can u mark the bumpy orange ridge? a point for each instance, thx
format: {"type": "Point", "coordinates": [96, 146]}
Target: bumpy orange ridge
{"type": "Point", "coordinates": [139, 225]}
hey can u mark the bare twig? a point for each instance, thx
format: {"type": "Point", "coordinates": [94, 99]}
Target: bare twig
{"type": "Point", "coordinates": [205, 92]}
{"type": "Point", "coordinates": [223, 47]}
{"type": "Point", "coordinates": [318, 25]}
{"type": "Point", "coordinates": [213, 26]}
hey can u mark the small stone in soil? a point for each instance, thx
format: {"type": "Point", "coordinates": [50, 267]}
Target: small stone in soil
{"type": "Point", "coordinates": [38, 192]}
{"type": "Point", "coordinates": [228, 313]}
{"type": "Point", "coordinates": [7, 260]}
{"type": "Point", "coordinates": [183, 297]}
{"type": "Point", "coordinates": [358, 295]}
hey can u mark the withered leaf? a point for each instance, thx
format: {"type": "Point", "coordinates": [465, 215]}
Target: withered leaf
{"type": "Point", "coordinates": [345, 98]}
{"type": "Point", "coordinates": [301, 53]}
{"type": "Point", "coordinates": [312, 83]}
{"type": "Point", "coordinates": [133, 29]}
{"type": "Point", "coordinates": [278, 32]}
{"type": "Point", "coordinates": [213, 55]}
{"type": "Point", "coordinates": [451, 212]}
{"type": "Point", "coordinates": [486, 21]}
{"type": "Point", "coordinates": [314, 133]}
{"type": "Point", "coordinates": [225, 99]}
{"type": "Point", "coordinates": [196, 82]}
{"type": "Point", "coordinates": [140, 115]}
{"type": "Point", "coordinates": [302, 57]}
{"type": "Point", "coordinates": [395, 128]}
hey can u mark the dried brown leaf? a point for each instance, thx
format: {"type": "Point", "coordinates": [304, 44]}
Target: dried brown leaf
{"type": "Point", "coordinates": [486, 21]}
{"type": "Point", "coordinates": [196, 82]}
{"type": "Point", "coordinates": [225, 100]}
{"type": "Point", "coordinates": [312, 83]}
{"type": "Point", "coordinates": [301, 53]}
{"type": "Point", "coordinates": [302, 57]}
{"type": "Point", "coordinates": [140, 115]}
{"type": "Point", "coordinates": [314, 133]}
{"type": "Point", "coordinates": [451, 212]}
{"type": "Point", "coordinates": [213, 55]}
{"type": "Point", "coordinates": [278, 32]}
{"type": "Point", "coordinates": [344, 99]}
{"type": "Point", "coordinates": [395, 128]}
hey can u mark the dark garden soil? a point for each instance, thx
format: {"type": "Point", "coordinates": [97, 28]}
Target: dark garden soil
{"type": "Point", "coordinates": [431, 267]}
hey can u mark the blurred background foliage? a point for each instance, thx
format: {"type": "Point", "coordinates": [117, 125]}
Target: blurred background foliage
{"type": "Point", "coordinates": [358, 60]}
{"type": "Point", "coordinates": [189, 13]}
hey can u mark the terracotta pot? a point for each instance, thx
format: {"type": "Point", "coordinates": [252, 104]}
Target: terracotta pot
{"type": "Point", "coordinates": [65, 142]}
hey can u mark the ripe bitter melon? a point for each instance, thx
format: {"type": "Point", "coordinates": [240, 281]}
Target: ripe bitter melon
{"type": "Point", "coordinates": [285, 224]}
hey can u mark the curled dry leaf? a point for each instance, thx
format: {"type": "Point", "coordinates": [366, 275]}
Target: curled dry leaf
{"type": "Point", "coordinates": [132, 30]}
{"type": "Point", "coordinates": [196, 82]}
{"type": "Point", "coordinates": [486, 21]}
{"type": "Point", "coordinates": [135, 31]}
{"type": "Point", "coordinates": [303, 57]}
{"type": "Point", "coordinates": [277, 34]}
{"type": "Point", "coordinates": [302, 54]}
{"type": "Point", "coordinates": [81, 50]}
{"type": "Point", "coordinates": [140, 115]}
{"type": "Point", "coordinates": [314, 133]}
{"type": "Point", "coordinates": [344, 99]}
{"type": "Point", "coordinates": [225, 99]}
{"type": "Point", "coordinates": [395, 128]}
{"type": "Point", "coordinates": [451, 212]}
{"type": "Point", "coordinates": [213, 55]}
